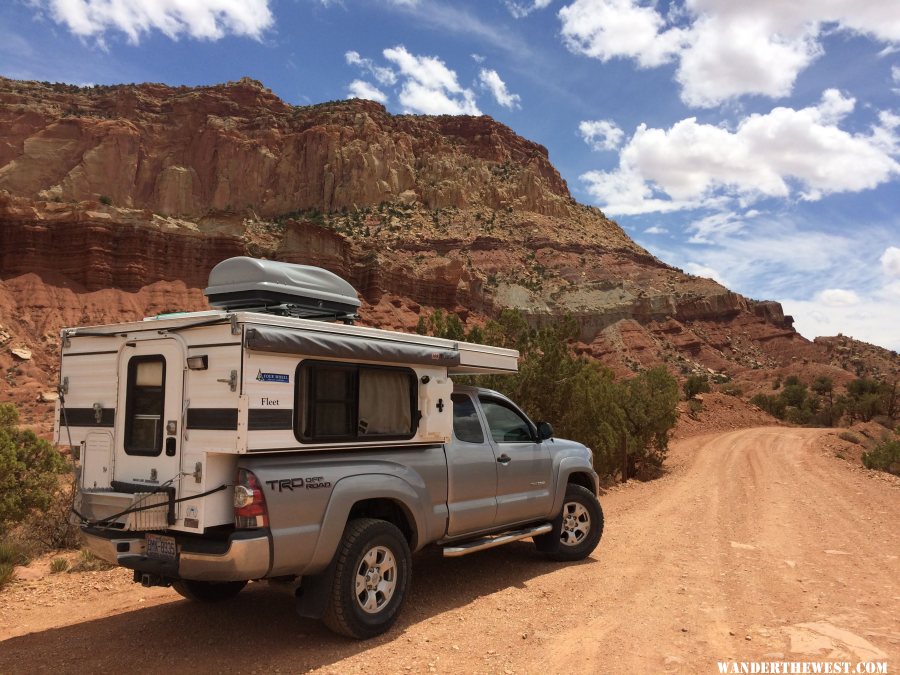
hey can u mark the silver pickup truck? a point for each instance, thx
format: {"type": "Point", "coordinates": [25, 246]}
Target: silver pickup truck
{"type": "Point", "coordinates": [245, 444]}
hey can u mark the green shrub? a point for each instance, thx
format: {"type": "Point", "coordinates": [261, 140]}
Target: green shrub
{"type": "Point", "coordinates": [732, 389]}
{"type": "Point", "coordinates": [105, 200]}
{"type": "Point", "coordinates": [11, 554]}
{"type": "Point", "coordinates": [29, 470]}
{"type": "Point", "coordinates": [695, 384]}
{"type": "Point", "coordinates": [884, 457]}
{"type": "Point", "coordinates": [58, 565]}
{"type": "Point", "coordinates": [850, 437]}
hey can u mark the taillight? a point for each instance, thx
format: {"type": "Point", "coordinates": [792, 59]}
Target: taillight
{"type": "Point", "coordinates": [249, 502]}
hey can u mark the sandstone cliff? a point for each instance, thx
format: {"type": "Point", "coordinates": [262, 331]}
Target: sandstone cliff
{"type": "Point", "coordinates": [116, 201]}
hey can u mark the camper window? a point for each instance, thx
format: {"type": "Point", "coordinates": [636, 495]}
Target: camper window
{"type": "Point", "coordinates": [145, 401]}
{"type": "Point", "coordinates": [348, 402]}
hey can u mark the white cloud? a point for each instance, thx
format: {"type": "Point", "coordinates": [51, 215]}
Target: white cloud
{"type": "Point", "coordinates": [362, 89]}
{"type": "Point", "coordinates": [723, 48]}
{"type": "Point", "coordinates": [601, 134]}
{"type": "Point", "coordinates": [837, 297]}
{"type": "Point", "coordinates": [607, 29]}
{"type": "Point", "coordinates": [871, 319]}
{"type": "Point", "coordinates": [429, 86]}
{"type": "Point", "coordinates": [477, 58]}
{"type": "Point", "coordinates": [784, 153]}
{"type": "Point", "coordinates": [201, 19]}
{"type": "Point", "coordinates": [497, 87]}
{"type": "Point", "coordinates": [522, 9]}
{"type": "Point", "coordinates": [710, 228]}
{"type": "Point", "coordinates": [656, 229]}
{"type": "Point", "coordinates": [380, 73]}
{"type": "Point", "coordinates": [704, 271]}
{"type": "Point", "coordinates": [890, 261]}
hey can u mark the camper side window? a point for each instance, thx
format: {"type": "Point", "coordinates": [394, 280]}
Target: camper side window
{"type": "Point", "coordinates": [348, 402]}
{"type": "Point", "coordinates": [144, 406]}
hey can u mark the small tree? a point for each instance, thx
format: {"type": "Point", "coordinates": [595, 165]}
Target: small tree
{"type": "Point", "coordinates": [695, 384]}
{"type": "Point", "coordinates": [29, 468]}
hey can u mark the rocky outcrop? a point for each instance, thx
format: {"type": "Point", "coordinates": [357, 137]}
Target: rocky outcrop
{"type": "Point", "coordinates": [115, 202]}
{"type": "Point", "coordinates": [186, 151]}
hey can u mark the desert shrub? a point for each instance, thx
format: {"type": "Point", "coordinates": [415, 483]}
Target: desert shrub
{"type": "Point", "coordinates": [12, 554]}
{"type": "Point", "coordinates": [695, 384]}
{"type": "Point", "coordinates": [29, 470]}
{"type": "Point", "coordinates": [58, 565]}
{"type": "Point", "coordinates": [88, 562]}
{"type": "Point", "coordinates": [7, 572]}
{"type": "Point", "coordinates": [884, 457]}
{"type": "Point", "coordinates": [105, 200]}
{"type": "Point", "coordinates": [850, 437]}
{"type": "Point", "coordinates": [732, 389]}
{"type": "Point", "coordinates": [50, 529]}
{"type": "Point", "coordinates": [695, 406]}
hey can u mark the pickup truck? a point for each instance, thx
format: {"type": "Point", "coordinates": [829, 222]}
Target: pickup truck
{"type": "Point", "coordinates": [231, 446]}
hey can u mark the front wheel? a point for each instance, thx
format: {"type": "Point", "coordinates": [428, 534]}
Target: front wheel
{"type": "Point", "coordinates": [208, 591]}
{"type": "Point", "coordinates": [577, 529]}
{"type": "Point", "coordinates": [371, 576]}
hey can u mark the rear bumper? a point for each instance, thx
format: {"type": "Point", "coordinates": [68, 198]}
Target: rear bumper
{"type": "Point", "coordinates": [242, 556]}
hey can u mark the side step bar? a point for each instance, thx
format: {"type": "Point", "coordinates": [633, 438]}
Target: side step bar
{"type": "Point", "coordinates": [495, 540]}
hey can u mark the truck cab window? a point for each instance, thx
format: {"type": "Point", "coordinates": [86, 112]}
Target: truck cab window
{"type": "Point", "coordinates": [506, 425]}
{"type": "Point", "coordinates": [466, 425]}
{"type": "Point", "coordinates": [145, 405]}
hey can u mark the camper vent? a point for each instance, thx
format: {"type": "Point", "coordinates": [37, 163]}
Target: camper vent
{"type": "Point", "coordinates": [253, 285]}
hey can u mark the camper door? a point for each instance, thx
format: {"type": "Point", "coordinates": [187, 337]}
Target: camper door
{"type": "Point", "coordinates": [148, 433]}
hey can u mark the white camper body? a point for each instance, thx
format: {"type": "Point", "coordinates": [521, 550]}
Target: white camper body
{"type": "Point", "coordinates": [161, 409]}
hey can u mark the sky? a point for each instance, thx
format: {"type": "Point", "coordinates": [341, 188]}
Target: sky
{"type": "Point", "coordinates": [756, 143]}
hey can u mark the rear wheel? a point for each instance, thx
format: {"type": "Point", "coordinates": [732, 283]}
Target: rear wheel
{"type": "Point", "coordinates": [577, 529]}
{"type": "Point", "coordinates": [371, 577]}
{"type": "Point", "coordinates": [208, 591]}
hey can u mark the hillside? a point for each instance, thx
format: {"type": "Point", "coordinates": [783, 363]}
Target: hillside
{"type": "Point", "coordinates": [116, 201]}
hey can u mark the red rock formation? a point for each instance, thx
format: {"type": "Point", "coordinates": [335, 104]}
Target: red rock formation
{"type": "Point", "coordinates": [115, 202]}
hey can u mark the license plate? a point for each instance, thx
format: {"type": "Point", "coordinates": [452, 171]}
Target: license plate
{"type": "Point", "coordinates": [161, 548]}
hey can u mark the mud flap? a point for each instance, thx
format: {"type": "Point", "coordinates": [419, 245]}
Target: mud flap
{"type": "Point", "coordinates": [314, 593]}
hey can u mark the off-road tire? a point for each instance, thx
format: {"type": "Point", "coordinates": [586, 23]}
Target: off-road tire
{"type": "Point", "coordinates": [364, 540]}
{"type": "Point", "coordinates": [580, 507]}
{"type": "Point", "coordinates": [208, 591]}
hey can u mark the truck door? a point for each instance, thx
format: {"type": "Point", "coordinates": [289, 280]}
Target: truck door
{"type": "Point", "coordinates": [472, 471]}
{"type": "Point", "coordinates": [148, 435]}
{"type": "Point", "coordinates": [524, 490]}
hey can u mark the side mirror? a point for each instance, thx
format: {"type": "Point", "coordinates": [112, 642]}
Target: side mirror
{"type": "Point", "coordinates": [545, 431]}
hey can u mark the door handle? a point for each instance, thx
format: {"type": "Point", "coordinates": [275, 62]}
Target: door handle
{"type": "Point", "coordinates": [504, 459]}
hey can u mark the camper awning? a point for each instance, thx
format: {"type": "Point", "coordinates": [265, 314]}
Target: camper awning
{"type": "Point", "coordinates": [329, 345]}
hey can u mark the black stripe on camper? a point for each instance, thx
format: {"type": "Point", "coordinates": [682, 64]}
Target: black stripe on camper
{"type": "Point", "coordinates": [86, 417]}
{"type": "Point", "coordinates": [217, 419]}
{"type": "Point", "coordinates": [270, 420]}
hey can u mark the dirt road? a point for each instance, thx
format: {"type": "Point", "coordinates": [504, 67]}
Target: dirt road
{"type": "Point", "coordinates": [758, 545]}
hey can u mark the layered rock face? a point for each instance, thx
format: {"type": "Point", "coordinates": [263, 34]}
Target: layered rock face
{"type": "Point", "coordinates": [115, 202]}
{"type": "Point", "coordinates": [183, 151]}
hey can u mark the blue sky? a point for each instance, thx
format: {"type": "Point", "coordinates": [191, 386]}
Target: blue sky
{"type": "Point", "coordinates": [756, 143]}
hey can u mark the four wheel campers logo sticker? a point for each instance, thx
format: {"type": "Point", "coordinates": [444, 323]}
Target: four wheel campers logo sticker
{"type": "Point", "coordinates": [273, 377]}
